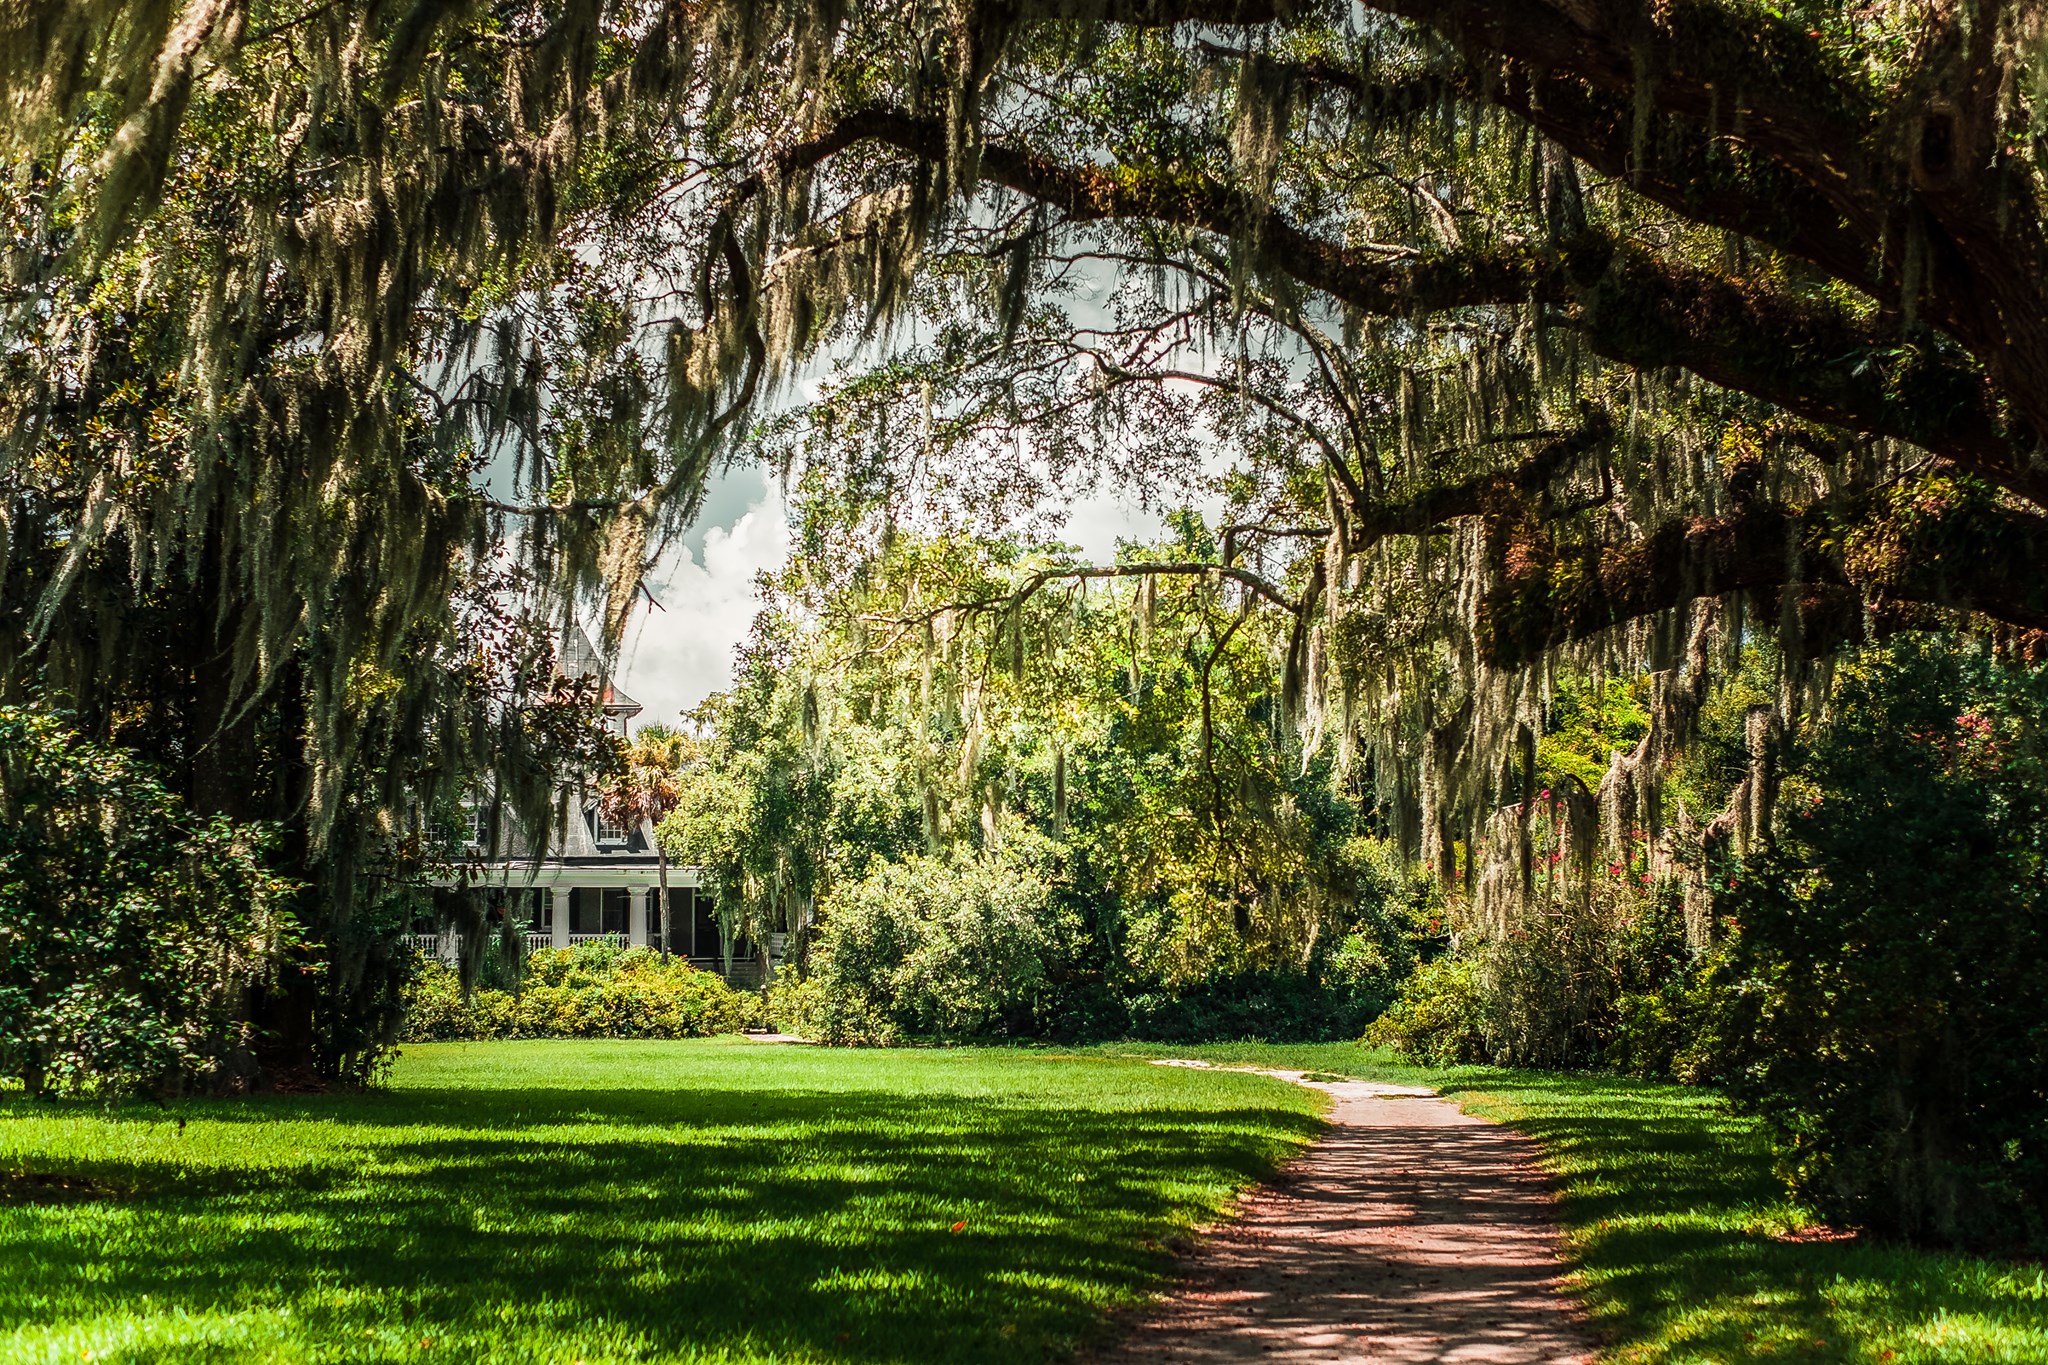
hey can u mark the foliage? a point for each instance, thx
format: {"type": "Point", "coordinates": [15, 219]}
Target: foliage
{"type": "Point", "coordinates": [348, 350]}
{"type": "Point", "coordinates": [1437, 1019]}
{"type": "Point", "coordinates": [1584, 725]}
{"type": "Point", "coordinates": [648, 779]}
{"type": "Point", "coordinates": [303, 381]}
{"type": "Point", "coordinates": [1576, 989]}
{"type": "Point", "coordinates": [1871, 987]}
{"type": "Point", "coordinates": [953, 948]}
{"type": "Point", "coordinates": [757, 816]}
{"type": "Point", "coordinates": [594, 990]}
{"type": "Point", "coordinates": [1518, 485]}
{"type": "Point", "coordinates": [1893, 941]}
{"type": "Point", "coordinates": [131, 931]}
{"type": "Point", "coordinates": [1205, 874]}
{"type": "Point", "coordinates": [1617, 964]}
{"type": "Point", "coordinates": [646, 784]}
{"type": "Point", "coordinates": [766, 1203]}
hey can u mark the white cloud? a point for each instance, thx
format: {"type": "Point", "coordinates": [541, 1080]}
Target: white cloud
{"type": "Point", "coordinates": [1098, 522]}
{"type": "Point", "coordinates": [677, 657]}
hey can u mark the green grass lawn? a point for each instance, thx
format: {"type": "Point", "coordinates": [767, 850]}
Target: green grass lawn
{"type": "Point", "coordinates": [714, 1200]}
{"type": "Point", "coordinates": [1676, 1225]}
{"type": "Point", "coordinates": [722, 1200]}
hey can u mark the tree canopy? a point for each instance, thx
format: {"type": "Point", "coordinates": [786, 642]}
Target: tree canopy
{"type": "Point", "coordinates": [346, 351]}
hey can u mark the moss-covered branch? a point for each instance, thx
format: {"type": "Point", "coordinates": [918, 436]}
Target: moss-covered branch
{"type": "Point", "coordinates": [1805, 355]}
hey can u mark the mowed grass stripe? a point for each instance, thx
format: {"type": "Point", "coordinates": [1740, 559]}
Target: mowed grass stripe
{"type": "Point", "coordinates": [711, 1200]}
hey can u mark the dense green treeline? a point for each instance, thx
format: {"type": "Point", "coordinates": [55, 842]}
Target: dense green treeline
{"type": "Point", "coordinates": [1092, 803]}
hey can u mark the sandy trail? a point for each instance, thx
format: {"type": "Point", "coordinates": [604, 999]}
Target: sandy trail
{"type": "Point", "coordinates": [1410, 1232]}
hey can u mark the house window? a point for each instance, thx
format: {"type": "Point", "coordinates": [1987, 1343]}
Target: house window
{"type": "Point", "coordinates": [473, 826]}
{"type": "Point", "coordinates": [609, 832]}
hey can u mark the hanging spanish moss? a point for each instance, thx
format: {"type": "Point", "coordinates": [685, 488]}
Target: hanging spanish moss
{"type": "Point", "coordinates": [351, 352]}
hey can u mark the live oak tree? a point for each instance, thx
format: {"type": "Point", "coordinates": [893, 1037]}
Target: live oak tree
{"type": "Point", "coordinates": [316, 420]}
{"type": "Point", "coordinates": [1587, 336]}
{"type": "Point", "coordinates": [340, 340]}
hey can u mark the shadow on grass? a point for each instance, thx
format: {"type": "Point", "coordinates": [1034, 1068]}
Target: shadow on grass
{"type": "Point", "coordinates": [777, 1222]}
{"type": "Point", "coordinates": [1676, 1220]}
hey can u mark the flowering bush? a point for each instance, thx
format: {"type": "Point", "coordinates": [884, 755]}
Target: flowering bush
{"type": "Point", "coordinates": [591, 991]}
{"type": "Point", "coordinates": [1886, 979]}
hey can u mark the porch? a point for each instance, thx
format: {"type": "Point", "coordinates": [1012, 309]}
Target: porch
{"type": "Point", "coordinates": [564, 905]}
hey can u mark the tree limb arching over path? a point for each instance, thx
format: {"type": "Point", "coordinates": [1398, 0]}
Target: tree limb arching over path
{"type": "Point", "coordinates": [1882, 280]}
{"type": "Point", "coordinates": [1411, 1231]}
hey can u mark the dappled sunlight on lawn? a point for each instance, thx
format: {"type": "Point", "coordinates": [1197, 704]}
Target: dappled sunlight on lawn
{"type": "Point", "coordinates": [681, 1201]}
{"type": "Point", "coordinates": [1680, 1231]}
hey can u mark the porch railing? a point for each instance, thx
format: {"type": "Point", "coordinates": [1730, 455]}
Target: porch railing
{"type": "Point", "coordinates": [744, 971]}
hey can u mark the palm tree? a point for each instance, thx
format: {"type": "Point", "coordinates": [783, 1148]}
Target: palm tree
{"type": "Point", "coordinates": [646, 787]}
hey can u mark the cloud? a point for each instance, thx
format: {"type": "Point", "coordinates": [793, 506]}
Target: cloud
{"type": "Point", "coordinates": [677, 657]}
{"type": "Point", "coordinates": [1095, 524]}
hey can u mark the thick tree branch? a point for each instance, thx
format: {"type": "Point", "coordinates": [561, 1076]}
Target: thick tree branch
{"type": "Point", "coordinates": [1750, 75]}
{"type": "Point", "coordinates": [1966, 555]}
{"type": "Point", "coordinates": [1435, 508]}
{"type": "Point", "coordinates": [1741, 119]}
{"type": "Point", "coordinates": [1700, 174]}
{"type": "Point", "coordinates": [1147, 13]}
{"type": "Point", "coordinates": [1630, 305]}
{"type": "Point", "coordinates": [1892, 173]}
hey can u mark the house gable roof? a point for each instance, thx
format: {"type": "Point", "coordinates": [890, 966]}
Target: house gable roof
{"type": "Point", "coordinates": [578, 659]}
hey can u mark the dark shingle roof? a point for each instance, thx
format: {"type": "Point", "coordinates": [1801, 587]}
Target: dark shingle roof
{"type": "Point", "coordinates": [579, 659]}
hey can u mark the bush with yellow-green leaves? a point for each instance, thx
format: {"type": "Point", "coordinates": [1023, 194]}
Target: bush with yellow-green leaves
{"type": "Point", "coordinates": [595, 990]}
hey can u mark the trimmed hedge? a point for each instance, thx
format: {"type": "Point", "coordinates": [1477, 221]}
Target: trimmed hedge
{"type": "Point", "coordinates": [591, 991]}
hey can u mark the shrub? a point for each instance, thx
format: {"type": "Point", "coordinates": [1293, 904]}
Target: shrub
{"type": "Point", "coordinates": [1272, 1005]}
{"type": "Point", "coordinates": [1374, 920]}
{"type": "Point", "coordinates": [1888, 971]}
{"type": "Point", "coordinates": [1607, 984]}
{"type": "Point", "coordinates": [594, 990]}
{"type": "Point", "coordinates": [1437, 1019]}
{"type": "Point", "coordinates": [931, 947]}
{"type": "Point", "coordinates": [130, 930]}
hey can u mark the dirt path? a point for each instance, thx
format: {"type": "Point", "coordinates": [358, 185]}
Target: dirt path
{"type": "Point", "coordinates": [1410, 1232]}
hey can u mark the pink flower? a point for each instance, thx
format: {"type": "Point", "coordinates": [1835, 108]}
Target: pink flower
{"type": "Point", "coordinates": [1614, 869]}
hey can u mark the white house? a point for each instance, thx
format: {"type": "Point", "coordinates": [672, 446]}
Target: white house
{"type": "Point", "coordinates": [597, 880]}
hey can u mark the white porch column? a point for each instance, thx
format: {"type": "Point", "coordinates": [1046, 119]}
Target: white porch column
{"type": "Point", "coordinates": [561, 921]}
{"type": "Point", "coordinates": [636, 916]}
